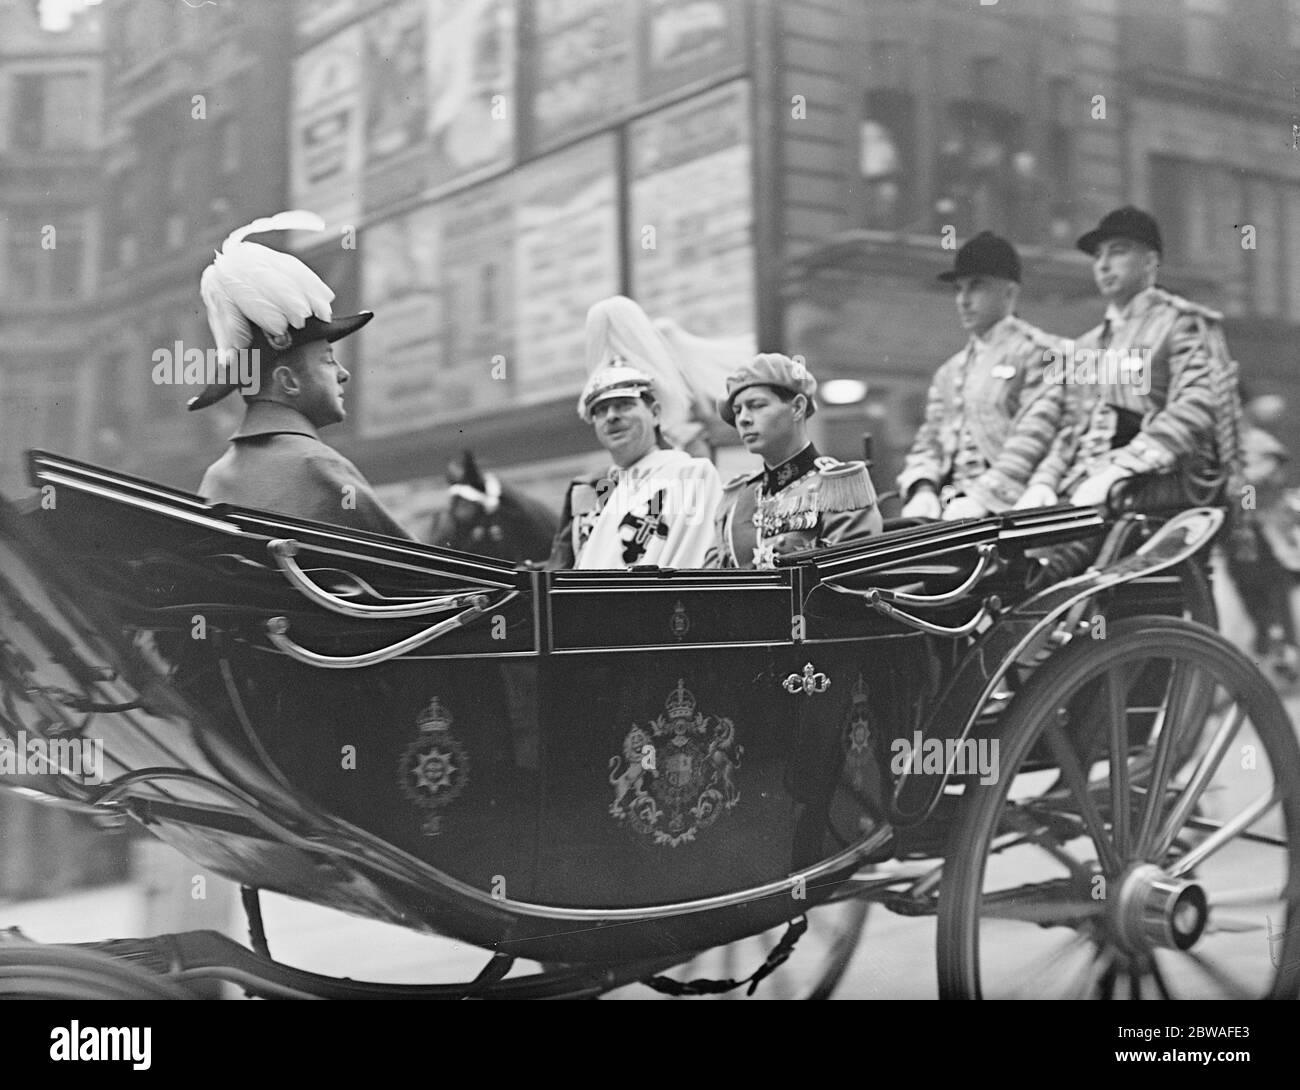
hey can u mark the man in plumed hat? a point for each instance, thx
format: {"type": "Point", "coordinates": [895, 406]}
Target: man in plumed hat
{"type": "Point", "coordinates": [989, 416]}
{"type": "Point", "coordinates": [272, 307]}
{"type": "Point", "coordinates": [1154, 398]}
{"type": "Point", "coordinates": [801, 499]}
{"type": "Point", "coordinates": [655, 504]}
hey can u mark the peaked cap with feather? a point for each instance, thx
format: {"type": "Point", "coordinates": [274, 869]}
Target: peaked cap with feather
{"type": "Point", "coordinates": [259, 298]}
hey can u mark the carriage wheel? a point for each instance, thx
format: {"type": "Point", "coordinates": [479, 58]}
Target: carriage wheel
{"type": "Point", "coordinates": [1190, 889]}
{"type": "Point", "coordinates": [33, 971]}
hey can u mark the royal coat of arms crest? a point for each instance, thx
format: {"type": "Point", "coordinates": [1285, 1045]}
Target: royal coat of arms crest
{"type": "Point", "coordinates": [677, 774]}
{"type": "Point", "coordinates": [434, 768]}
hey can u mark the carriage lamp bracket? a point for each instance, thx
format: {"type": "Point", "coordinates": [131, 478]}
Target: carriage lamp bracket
{"type": "Point", "coordinates": [284, 551]}
{"type": "Point", "coordinates": [277, 627]}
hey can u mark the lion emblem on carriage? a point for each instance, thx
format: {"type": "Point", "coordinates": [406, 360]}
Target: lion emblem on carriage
{"type": "Point", "coordinates": [677, 774]}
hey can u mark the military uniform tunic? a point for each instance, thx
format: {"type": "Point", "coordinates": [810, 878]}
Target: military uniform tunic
{"type": "Point", "coordinates": [658, 511]}
{"type": "Point", "coordinates": [785, 509]}
{"type": "Point", "coordinates": [1173, 418]}
{"type": "Point", "coordinates": [989, 417]}
{"type": "Point", "coordinates": [276, 462]}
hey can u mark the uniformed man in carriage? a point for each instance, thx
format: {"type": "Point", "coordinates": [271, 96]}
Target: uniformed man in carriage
{"type": "Point", "coordinates": [1151, 392]}
{"type": "Point", "coordinates": [989, 417]}
{"type": "Point", "coordinates": [271, 306]}
{"type": "Point", "coordinates": [655, 504]}
{"type": "Point", "coordinates": [801, 498]}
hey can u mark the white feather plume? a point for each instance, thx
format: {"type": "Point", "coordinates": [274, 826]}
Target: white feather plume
{"type": "Point", "coordinates": [297, 220]}
{"type": "Point", "coordinates": [689, 372]}
{"type": "Point", "coordinates": [251, 283]}
{"type": "Point", "coordinates": [619, 327]}
{"type": "Point", "coordinates": [705, 362]}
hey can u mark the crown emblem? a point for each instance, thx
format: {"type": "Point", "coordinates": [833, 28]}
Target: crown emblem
{"type": "Point", "coordinates": [681, 702]}
{"type": "Point", "coordinates": [435, 717]}
{"type": "Point", "coordinates": [860, 691]}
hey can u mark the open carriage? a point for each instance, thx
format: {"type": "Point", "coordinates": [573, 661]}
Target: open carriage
{"type": "Point", "coordinates": [610, 772]}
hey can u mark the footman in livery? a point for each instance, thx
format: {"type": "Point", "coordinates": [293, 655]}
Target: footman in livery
{"type": "Point", "coordinates": [801, 499]}
{"type": "Point", "coordinates": [1177, 428]}
{"type": "Point", "coordinates": [989, 416]}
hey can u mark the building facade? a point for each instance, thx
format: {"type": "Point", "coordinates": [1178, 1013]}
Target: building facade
{"type": "Point", "coordinates": [944, 118]}
{"type": "Point", "coordinates": [50, 124]}
{"type": "Point", "coordinates": [798, 171]}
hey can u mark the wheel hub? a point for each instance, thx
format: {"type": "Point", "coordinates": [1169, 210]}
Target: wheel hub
{"type": "Point", "coordinates": [1155, 910]}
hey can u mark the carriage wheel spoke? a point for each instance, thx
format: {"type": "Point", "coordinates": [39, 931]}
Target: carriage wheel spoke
{"type": "Point", "coordinates": [1037, 969]}
{"type": "Point", "coordinates": [1046, 912]}
{"type": "Point", "coordinates": [1205, 770]}
{"type": "Point", "coordinates": [1032, 830]}
{"type": "Point", "coordinates": [1217, 974]}
{"type": "Point", "coordinates": [1168, 721]}
{"type": "Point", "coordinates": [1068, 762]}
{"type": "Point", "coordinates": [1159, 978]}
{"type": "Point", "coordinates": [1119, 783]}
{"type": "Point", "coordinates": [1225, 834]}
{"type": "Point", "coordinates": [1240, 898]}
{"type": "Point", "coordinates": [1100, 974]}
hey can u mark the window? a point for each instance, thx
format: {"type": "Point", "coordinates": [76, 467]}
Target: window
{"type": "Point", "coordinates": [1153, 34]}
{"type": "Point", "coordinates": [885, 159]}
{"type": "Point", "coordinates": [985, 178]}
{"type": "Point", "coordinates": [45, 255]}
{"type": "Point", "coordinates": [29, 112]}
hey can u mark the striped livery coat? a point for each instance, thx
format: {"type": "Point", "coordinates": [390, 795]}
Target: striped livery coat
{"type": "Point", "coordinates": [1188, 414]}
{"type": "Point", "coordinates": [989, 418]}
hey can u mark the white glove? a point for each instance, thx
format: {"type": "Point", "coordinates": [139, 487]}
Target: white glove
{"type": "Point", "coordinates": [924, 504]}
{"type": "Point", "coordinates": [1036, 495]}
{"type": "Point", "coordinates": [964, 507]}
{"type": "Point", "coordinates": [1093, 491]}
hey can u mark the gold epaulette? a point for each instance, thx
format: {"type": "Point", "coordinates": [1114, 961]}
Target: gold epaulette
{"type": "Point", "coordinates": [736, 482]}
{"type": "Point", "coordinates": [845, 486]}
{"type": "Point", "coordinates": [1186, 306]}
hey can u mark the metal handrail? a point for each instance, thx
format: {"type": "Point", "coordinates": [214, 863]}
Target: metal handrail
{"type": "Point", "coordinates": [276, 627]}
{"type": "Point", "coordinates": [986, 610]}
{"type": "Point", "coordinates": [987, 555]}
{"type": "Point", "coordinates": [283, 550]}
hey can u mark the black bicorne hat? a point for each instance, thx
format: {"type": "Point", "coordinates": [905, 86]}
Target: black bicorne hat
{"type": "Point", "coordinates": [269, 348]}
{"type": "Point", "coordinates": [985, 255]}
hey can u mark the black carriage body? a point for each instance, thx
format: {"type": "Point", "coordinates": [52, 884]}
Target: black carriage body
{"type": "Point", "coordinates": [591, 766]}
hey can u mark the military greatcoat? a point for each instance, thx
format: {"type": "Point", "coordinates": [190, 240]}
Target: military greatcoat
{"type": "Point", "coordinates": [277, 462]}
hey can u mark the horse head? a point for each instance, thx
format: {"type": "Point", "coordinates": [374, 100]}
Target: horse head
{"type": "Point", "coordinates": [485, 517]}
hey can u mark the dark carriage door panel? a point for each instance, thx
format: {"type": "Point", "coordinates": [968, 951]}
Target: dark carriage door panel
{"type": "Point", "coordinates": [664, 776]}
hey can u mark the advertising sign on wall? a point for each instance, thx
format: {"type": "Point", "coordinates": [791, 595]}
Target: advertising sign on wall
{"type": "Point", "coordinates": [470, 62]}
{"type": "Point", "coordinates": [582, 63]}
{"type": "Point", "coordinates": [686, 40]}
{"type": "Point", "coordinates": [402, 350]}
{"type": "Point", "coordinates": [478, 298]}
{"type": "Point", "coordinates": [567, 258]}
{"type": "Point", "coordinates": [326, 138]}
{"type": "Point", "coordinates": [692, 213]}
{"type": "Point", "coordinates": [397, 103]}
